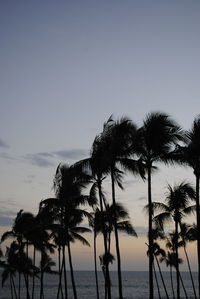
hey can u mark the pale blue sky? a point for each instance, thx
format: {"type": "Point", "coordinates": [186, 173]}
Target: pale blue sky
{"type": "Point", "coordinates": [66, 66]}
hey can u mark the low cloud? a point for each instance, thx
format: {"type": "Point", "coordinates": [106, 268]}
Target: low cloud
{"type": "Point", "coordinates": [71, 154]}
{"type": "Point", "coordinates": [46, 159]}
{"type": "Point", "coordinates": [7, 157]}
{"type": "Point", "coordinates": [3, 144]}
{"type": "Point", "coordinates": [40, 159]}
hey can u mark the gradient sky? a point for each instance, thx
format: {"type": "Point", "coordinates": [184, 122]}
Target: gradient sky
{"type": "Point", "coordinates": [66, 66]}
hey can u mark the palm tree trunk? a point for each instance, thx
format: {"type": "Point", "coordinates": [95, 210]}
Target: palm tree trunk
{"type": "Point", "coordinates": [71, 270]}
{"type": "Point", "coordinates": [11, 287]}
{"type": "Point", "coordinates": [19, 285]}
{"type": "Point", "coordinates": [65, 272]}
{"type": "Point", "coordinates": [60, 273]}
{"type": "Point", "coordinates": [107, 275]}
{"type": "Point", "coordinates": [26, 284]}
{"type": "Point", "coordinates": [192, 280]}
{"type": "Point", "coordinates": [186, 296]}
{"type": "Point", "coordinates": [156, 279]}
{"type": "Point", "coordinates": [33, 283]}
{"type": "Point", "coordinates": [13, 284]}
{"type": "Point", "coordinates": [95, 265]}
{"type": "Point", "coordinates": [27, 294]}
{"type": "Point", "coordinates": [116, 238]}
{"type": "Point", "coordinates": [177, 264]}
{"type": "Point", "coordinates": [150, 235]}
{"type": "Point", "coordinates": [172, 285]}
{"type": "Point", "coordinates": [163, 282]}
{"type": "Point", "coordinates": [198, 227]}
{"type": "Point", "coordinates": [41, 277]}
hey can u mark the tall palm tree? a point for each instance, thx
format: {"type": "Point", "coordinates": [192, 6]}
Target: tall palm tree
{"type": "Point", "coordinates": [97, 167]}
{"type": "Point", "coordinates": [190, 155]}
{"type": "Point", "coordinates": [177, 205]}
{"type": "Point", "coordinates": [118, 137]}
{"type": "Point", "coordinates": [154, 144]}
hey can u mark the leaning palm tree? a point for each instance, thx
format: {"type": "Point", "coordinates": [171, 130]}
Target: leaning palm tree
{"type": "Point", "coordinates": [172, 243]}
{"type": "Point", "coordinates": [185, 233]}
{"type": "Point", "coordinates": [177, 205]}
{"type": "Point", "coordinates": [169, 259]}
{"type": "Point", "coordinates": [190, 155]}
{"type": "Point", "coordinates": [154, 143]}
{"type": "Point", "coordinates": [159, 252]}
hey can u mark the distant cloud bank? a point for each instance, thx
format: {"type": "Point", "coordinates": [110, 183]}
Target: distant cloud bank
{"type": "Point", "coordinates": [45, 159]}
{"type": "Point", "coordinates": [3, 144]}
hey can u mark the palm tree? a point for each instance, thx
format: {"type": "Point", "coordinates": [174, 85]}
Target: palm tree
{"type": "Point", "coordinates": [45, 267]}
{"type": "Point", "coordinates": [172, 243]}
{"type": "Point", "coordinates": [158, 251]}
{"type": "Point", "coordinates": [20, 232]}
{"type": "Point", "coordinates": [17, 261]}
{"type": "Point", "coordinates": [122, 218]}
{"type": "Point", "coordinates": [190, 155]}
{"type": "Point", "coordinates": [95, 222]}
{"type": "Point", "coordinates": [177, 205]}
{"type": "Point", "coordinates": [154, 144]}
{"type": "Point", "coordinates": [118, 137]}
{"type": "Point", "coordinates": [10, 268]}
{"type": "Point", "coordinates": [96, 166]}
{"type": "Point", "coordinates": [170, 261]}
{"type": "Point", "coordinates": [185, 234]}
{"type": "Point", "coordinates": [74, 218]}
{"type": "Point", "coordinates": [68, 184]}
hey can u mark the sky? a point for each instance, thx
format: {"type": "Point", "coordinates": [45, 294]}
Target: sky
{"type": "Point", "coordinates": [66, 66]}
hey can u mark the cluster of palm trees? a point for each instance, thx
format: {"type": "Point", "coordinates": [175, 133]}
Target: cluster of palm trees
{"type": "Point", "coordinates": [120, 148]}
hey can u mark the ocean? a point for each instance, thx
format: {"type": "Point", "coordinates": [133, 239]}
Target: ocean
{"type": "Point", "coordinates": [135, 285]}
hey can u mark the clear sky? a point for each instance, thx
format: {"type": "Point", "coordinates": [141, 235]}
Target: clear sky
{"type": "Point", "coordinates": [66, 66]}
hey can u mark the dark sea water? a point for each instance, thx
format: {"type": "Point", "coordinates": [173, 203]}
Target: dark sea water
{"type": "Point", "coordinates": [135, 285]}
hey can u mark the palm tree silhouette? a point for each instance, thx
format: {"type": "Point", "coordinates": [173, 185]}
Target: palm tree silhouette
{"type": "Point", "coordinates": [171, 260]}
{"type": "Point", "coordinates": [178, 200]}
{"type": "Point", "coordinates": [17, 261]}
{"type": "Point", "coordinates": [154, 144]}
{"type": "Point", "coordinates": [20, 232]}
{"type": "Point", "coordinates": [68, 184]}
{"type": "Point", "coordinates": [190, 155]}
{"type": "Point", "coordinates": [158, 251]}
{"type": "Point", "coordinates": [118, 137]}
{"type": "Point", "coordinates": [186, 236]}
{"type": "Point", "coordinates": [97, 167]}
